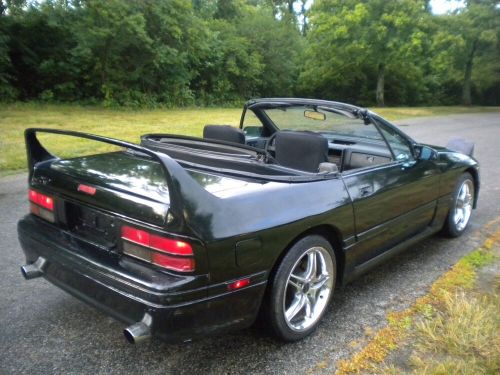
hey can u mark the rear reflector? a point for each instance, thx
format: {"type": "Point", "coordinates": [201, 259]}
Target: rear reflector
{"type": "Point", "coordinates": [238, 284]}
{"type": "Point", "coordinates": [164, 252]}
{"type": "Point", "coordinates": [178, 264]}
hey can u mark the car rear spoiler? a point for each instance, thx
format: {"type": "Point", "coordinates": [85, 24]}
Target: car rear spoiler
{"type": "Point", "coordinates": [187, 198]}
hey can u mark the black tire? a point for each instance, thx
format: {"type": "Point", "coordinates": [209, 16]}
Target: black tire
{"type": "Point", "coordinates": [454, 227]}
{"type": "Point", "coordinates": [286, 288]}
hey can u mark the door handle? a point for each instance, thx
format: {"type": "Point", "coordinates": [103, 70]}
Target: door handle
{"type": "Point", "coordinates": [365, 190]}
{"type": "Point", "coordinates": [408, 164]}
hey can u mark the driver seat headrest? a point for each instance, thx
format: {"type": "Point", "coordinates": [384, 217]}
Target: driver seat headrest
{"type": "Point", "coordinates": [304, 151]}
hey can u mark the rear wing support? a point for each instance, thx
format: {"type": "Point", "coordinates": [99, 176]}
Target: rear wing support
{"type": "Point", "coordinates": [189, 202]}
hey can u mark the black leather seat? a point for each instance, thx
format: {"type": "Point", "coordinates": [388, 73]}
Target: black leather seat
{"type": "Point", "coordinates": [304, 151]}
{"type": "Point", "coordinates": [225, 133]}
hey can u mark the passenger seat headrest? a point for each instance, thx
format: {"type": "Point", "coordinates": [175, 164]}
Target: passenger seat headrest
{"type": "Point", "coordinates": [225, 133]}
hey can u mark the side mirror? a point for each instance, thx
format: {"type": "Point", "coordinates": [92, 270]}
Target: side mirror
{"type": "Point", "coordinates": [253, 131]}
{"type": "Point", "coordinates": [424, 152]}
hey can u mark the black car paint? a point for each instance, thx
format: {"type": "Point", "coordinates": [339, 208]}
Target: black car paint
{"type": "Point", "coordinates": [234, 236]}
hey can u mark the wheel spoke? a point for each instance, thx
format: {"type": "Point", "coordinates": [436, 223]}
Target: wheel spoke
{"type": "Point", "coordinates": [294, 284]}
{"type": "Point", "coordinates": [311, 266]}
{"type": "Point", "coordinates": [463, 192]}
{"type": "Point", "coordinates": [468, 199]}
{"type": "Point", "coordinates": [320, 282]}
{"type": "Point", "coordinates": [309, 307]}
{"type": "Point", "coordinates": [297, 305]}
{"type": "Point", "coordinates": [297, 278]}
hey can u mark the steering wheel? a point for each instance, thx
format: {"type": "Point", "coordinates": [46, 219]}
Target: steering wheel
{"type": "Point", "coordinates": [269, 146]}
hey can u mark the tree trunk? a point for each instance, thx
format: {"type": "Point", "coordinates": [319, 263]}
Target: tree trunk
{"type": "Point", "coordinates": [305, 21]}
{"type": "Point", "coordinates": [466, 90]}
{"type": "Point", "coordinates": [380, 85]}
{"type": "Point", "coordinates": [104, 62]}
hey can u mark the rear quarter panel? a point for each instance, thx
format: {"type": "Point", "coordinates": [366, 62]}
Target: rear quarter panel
{"type": "Point", "coordinates": [247, 233]}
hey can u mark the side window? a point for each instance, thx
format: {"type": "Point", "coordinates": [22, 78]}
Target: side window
{"type": "Point", "coordinates": [252, 125]}
{"type": "Point", "coordinates": [399, 145]}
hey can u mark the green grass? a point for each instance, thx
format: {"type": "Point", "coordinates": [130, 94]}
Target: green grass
{"type": "Point", "coordinates": [121, 124]}
{"type": "Point", "coordinates": [453, 329]}
{"type": "Point", "coordinates": [460, 338]}
{"type": "Point", "coordinates": [130, 124]}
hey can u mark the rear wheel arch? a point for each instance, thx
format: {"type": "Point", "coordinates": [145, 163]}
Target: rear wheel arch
{"type": "Point", "coordinates": [328, 232]}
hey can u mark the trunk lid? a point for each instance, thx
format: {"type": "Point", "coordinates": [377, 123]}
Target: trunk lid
{"type": "Point", "coordinates": [119, 182]}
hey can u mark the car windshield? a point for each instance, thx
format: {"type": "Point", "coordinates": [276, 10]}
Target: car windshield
{"type": "Point", "coordinates": [322, 120]}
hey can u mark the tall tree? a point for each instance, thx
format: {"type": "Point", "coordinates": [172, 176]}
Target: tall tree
{"type": "Point", "coordinates": [464, 37]}
{"type": "Point", "coordinates": [6, 91]}
{"type": "Point", "coordinates": [113, 42]}
{"type": "Point", "coordinates": [478, 27]}
{"type": "Point", "coordinates": [347, 35]}
{"type": "Point", "coordinates": [278, 43]}
{"type": "Point", "coordinates": [180, 47]}
{"type": "Point", "coordinates": [292, 11]}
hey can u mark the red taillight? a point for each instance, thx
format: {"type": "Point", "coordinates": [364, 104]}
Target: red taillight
{"type": "Point", "coordinates": [162, 251]}
{"type": "Point", "coordinates": [33, 195]}
{"type": "Point", "coordinates": [41, 205]}
{"type": "Point", "coordinates": [40, 199]}
{"type": "Point", "coordinates": [170, 246]}
{"type": "Point", "coordinates": [138, 236]}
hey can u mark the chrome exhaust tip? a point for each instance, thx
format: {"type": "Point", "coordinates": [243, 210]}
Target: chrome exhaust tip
{"type": "Point", "coordinates": [139, 331]}
{"type": "Point", "coordinates": [34, 270]}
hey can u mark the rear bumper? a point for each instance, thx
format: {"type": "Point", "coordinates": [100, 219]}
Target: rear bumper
{"type": "Point", "coordinates": [180, 307]}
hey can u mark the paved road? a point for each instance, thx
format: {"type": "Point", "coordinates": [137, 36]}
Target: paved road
{"type": "Point", "coordinates": [43, 330]}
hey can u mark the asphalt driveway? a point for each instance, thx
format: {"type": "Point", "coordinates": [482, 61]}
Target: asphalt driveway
{"type": "Point", "coordinates": [45, 331]}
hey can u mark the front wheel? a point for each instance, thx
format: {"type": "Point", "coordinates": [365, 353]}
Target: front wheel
{"type": "Point", "coordinates": [301, 288]}
{"type": "Point", "coordinates": [461, 210]}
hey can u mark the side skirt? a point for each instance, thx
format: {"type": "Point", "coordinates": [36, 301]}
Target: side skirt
{"type": "Point", "coordinates": [373, 262]}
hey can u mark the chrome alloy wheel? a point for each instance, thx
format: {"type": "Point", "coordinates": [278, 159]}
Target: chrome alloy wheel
{"type": "Point", "coordinates": [308, 289]}
{"type": "Point", "coordinates": [463, 205]}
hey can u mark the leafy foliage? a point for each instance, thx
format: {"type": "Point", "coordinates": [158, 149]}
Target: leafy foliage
{"type": "Point", "coordinates": [213, 52]}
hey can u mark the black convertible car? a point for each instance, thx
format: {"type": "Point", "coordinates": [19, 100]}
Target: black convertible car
{"type": "Point", "coordinates": [181, 237]}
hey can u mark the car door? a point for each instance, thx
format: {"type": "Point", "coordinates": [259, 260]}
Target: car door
{"type": "Point", "coordinates": [391, 201]}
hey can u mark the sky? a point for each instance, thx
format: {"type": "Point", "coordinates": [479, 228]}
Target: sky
{"type": "Point", "coordinates": [443, 6]}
